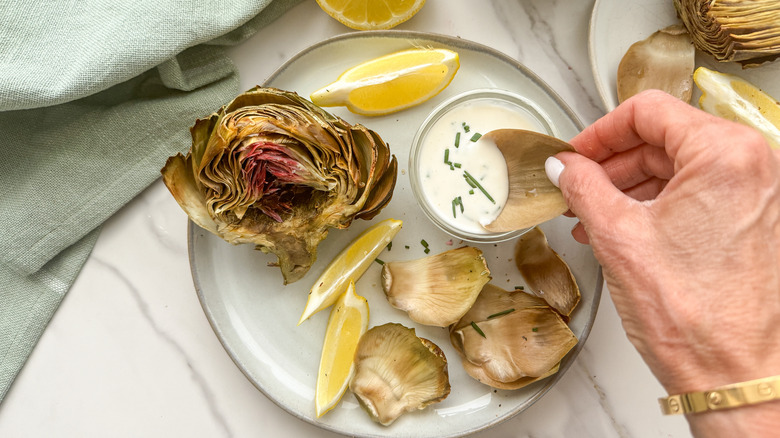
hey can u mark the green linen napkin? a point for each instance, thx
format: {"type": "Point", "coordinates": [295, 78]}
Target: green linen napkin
{"type": "Point", "coordinates": [94, 95]}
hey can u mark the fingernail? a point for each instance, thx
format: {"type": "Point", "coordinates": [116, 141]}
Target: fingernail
{"type": "Point", "coordinates": [553, 167]}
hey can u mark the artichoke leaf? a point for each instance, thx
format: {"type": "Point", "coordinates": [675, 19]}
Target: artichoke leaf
{"type": "Point", "coordinates": [180, 181]}
{"type": "Point", "coordinates": [546, 273]}
{"type": "Point", "coordinates": [438, 289]}
{"type": "Point", "coordinates": [532, 198]}
{"type": "Point", "coordinates": [479, 373]}
{"type": "Point", "coordinates": [492, 300]}
{"type": "Point", "coordinates": [510, 339]}
{"type": "Point", "coordinates": [523, 343]}
{"type": "Point", "coordinates": [397, 372]}
{"type": "Point", "coordinates": [664, 61]}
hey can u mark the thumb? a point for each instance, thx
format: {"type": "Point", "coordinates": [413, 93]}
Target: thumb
{"type": "Point", "coordinates": [587, 189]}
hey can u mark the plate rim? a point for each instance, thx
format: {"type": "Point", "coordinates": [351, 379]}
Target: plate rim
{"type": "Point", "coordinates": [451, 41]}
{"type": "Point", "coordinates": [592, 24]}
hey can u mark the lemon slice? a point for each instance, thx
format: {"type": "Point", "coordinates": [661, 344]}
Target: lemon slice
{"type": "Point", "coordinates": [392, 82]}
{"type": "Point", "coordinates": [349, 265]}
{"type": "Point", "coordinates": [734, 98]}
{"type": "Point", "coordinates": [371, 14]}
{"type": "Point", "coordinates": [347, 323]}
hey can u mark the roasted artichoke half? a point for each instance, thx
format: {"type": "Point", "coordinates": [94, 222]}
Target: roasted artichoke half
{"type": "Point", "coordinates": [272, 169]}
{"type": "Point", "coordinates": [745, 31]}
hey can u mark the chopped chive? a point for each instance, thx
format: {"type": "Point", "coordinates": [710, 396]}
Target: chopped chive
{"type": "Point", "coordinates": [519, 287]}
{"type": "Point", "coordinates": [406, 246]}
{"type": "Point", "coordinates": [457, 140]}
{"type": "Point", "coordinates": [468, 176]}
{"type": "Point", "coordinates": [447, 156]}
{"type": "Point", "coordinates": [476, 136]}
{"type": "Point", "coordinates": [379, 261]}
{"type": "Point", "coordinates": [390, 246]}
{"type": "Point", "coordinates": [471, 192]}
{"type": "Point", "coordinates": [535, 329]}
{"type": "Point", "coordinates": [452, 167]}
{"type": "Point", "coordinates": [455, 202]}
{"type": "Point", "coordinates": [466, 127]}
{"type": "Point", "coordinates": [424, 243]}
{"type": "Point", "coordinates": [479, 330]}
{"type": "Point", "coordinates": [500, 313]}
{"type": "Point", "coordinates": [456, 165]}
{"type": "Point", "coordinates": [426, 250]}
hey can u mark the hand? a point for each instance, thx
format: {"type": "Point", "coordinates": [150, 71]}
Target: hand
{"type": "Point", "coordinates": [682, 209]}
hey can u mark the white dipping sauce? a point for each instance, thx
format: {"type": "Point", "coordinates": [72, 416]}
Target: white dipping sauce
{"type": "Point", "coordinates": [444, 185]}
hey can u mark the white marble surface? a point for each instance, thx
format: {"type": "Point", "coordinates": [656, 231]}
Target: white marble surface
{"type": "Point", "coordinates": [130, 352]}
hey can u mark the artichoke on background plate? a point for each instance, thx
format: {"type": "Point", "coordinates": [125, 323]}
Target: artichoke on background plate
{"type": "Point", "coordinates": [745, 31]}
{"type": "Point", "coordinates": [272, 169]}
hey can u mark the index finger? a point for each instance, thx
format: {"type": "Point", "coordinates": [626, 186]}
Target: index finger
{"type": "Point", "coordinates": [651, 117]}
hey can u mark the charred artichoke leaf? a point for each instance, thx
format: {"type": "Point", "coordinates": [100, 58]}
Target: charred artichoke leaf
{"type": "Point", "coordinates": [397, 372]}
{"type": "Point", "coordinates": [276, 171]}
{"type": "Point", "coordinates": [744, 31]}
{"type": "Point", "coordinates": [438, 289]}
{"type": "Point", "coordinates": [663, 61]}
{"type": "Point", "coordinates": [545, 272]}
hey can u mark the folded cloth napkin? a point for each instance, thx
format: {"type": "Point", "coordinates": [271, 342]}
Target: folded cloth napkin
{"type": "Point", "coordinates": [94, 95]}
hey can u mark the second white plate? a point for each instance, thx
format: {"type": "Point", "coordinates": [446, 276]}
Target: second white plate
{"type": "Point", "coordinates": [616, 24]}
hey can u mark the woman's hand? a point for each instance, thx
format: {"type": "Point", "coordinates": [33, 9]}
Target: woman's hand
{"type": "Point", "coordinates": [682, 209]}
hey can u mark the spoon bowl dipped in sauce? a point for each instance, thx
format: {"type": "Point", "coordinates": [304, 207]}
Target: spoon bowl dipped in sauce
{"type": "Point", "coordinates": [477, 166]}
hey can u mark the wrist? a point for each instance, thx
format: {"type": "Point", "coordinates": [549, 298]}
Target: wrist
{"type": "Point", "coordinates": [755, 421]}
{"type": "Point", "coordinates": [731, 396]}
{"type": "Point", "coordinates": [749, 409]}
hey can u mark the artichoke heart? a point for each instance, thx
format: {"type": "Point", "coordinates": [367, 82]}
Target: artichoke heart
{"type": "Point", "coordinates": [511, 339]}
{"type": "Point", "coordinates": [397, 372]}
{"type": "Point", "coordinates": [744, 31]}
{"type": "Point", "coordinates": [545, 272]}
{"type": "Point", "coordinates": [664, 61]}
{"type": "Point", "coordinates": [272, 169]}
{"type": "Point", "coordinates": [436, 290]}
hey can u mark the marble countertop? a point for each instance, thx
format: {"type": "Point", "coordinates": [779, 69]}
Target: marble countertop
{"type": "Point", "coordinates": [130, 352]}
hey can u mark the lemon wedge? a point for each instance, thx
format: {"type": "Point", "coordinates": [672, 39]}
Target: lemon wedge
{"type": "Point", "coordinates": [392, 82]}
{"type": "Point", "coordinates": [371, 14]}
{"type": "Point", "coordinates": [347, 323]}
{"type": "Point", "coordinates": [734, 98]}
{"type": "Point", "coordinates": [349, 265]}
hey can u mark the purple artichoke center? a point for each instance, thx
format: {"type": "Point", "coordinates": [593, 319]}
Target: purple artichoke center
{"type": "Point", "coordinates": [266, 167]}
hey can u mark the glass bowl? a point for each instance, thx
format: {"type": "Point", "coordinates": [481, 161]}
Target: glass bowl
{"type": "Point", "coordinates": [442, 132]}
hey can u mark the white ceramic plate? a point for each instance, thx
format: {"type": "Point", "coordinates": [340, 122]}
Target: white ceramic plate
{"type": "Point", "coordinates": [255, 316]}
{"type": "Point", "coordinates": [616, 24]}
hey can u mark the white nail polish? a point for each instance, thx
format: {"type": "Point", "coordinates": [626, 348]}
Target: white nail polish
{"type": "Point", "coordinates": [553, 167]}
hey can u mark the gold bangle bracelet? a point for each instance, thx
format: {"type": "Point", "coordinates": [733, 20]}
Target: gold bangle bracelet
{"type": "Point", "coordinates": [723, 397]}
